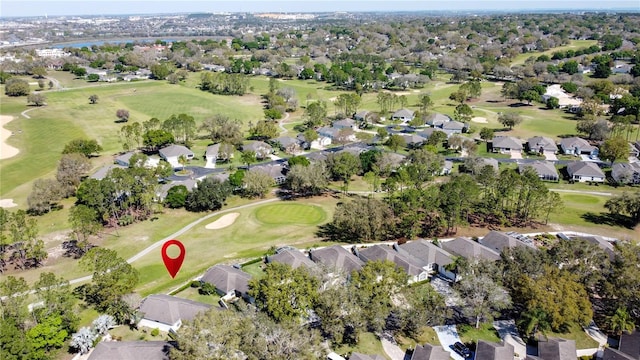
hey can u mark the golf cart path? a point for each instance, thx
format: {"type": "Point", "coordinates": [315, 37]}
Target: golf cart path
{"type": "Point", "coordinates": [190, 226]}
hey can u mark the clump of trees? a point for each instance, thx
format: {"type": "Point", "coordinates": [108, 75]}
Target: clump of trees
{"type": "Point", "coordinates": [223, 83]}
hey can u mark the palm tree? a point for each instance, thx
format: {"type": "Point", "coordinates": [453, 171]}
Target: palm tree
{"type": "Point", "coordinates": [621, 321]}
{"type": "Point", "coordinates": [182, 160]}
{"type": "Point", "coordinates": [533, 321]}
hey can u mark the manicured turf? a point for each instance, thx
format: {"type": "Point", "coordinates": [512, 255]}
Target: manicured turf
{"type": "Point", "coordinates": [289, 214]}
{"type": "Point", "coordinates": [583, 341]}
{"type": "Point", "coordinates": [573, 44]}
{"type": "Point", "coordinates": [368, 343]}
{"type": "Point", "coordinates": [469, 334]}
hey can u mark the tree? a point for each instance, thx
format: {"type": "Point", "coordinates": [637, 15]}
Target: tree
{"type": "Point", "coordinates": [315, 114]}
{"type": "Point", "coordinates": [264, 130]}
{"type": "Point", "coordinates": [155, 139]}
{"type": "Point", "coordinates": [47, 335]}
{"type": "Point", "coordinates": [594, 129]}
{"type": "Point", "coordinates": [82, 146]}
{"type": "Point", "coordinates": [621, 322]}
{"type": "Point", "coordinates": [361, 220]}
{"type": "Point", "coordinates": [285, 294]}
{"type": "Point", "coordinates": [425, 307]}
{"type": "Point", "coordinates": [93, 99]}
{"type": "Point", "coordinates": [395, 142]}
{"type": "Point", "coordinates": [122, 115]}
{"type": "Point", "coordinates": [626, 205]}
{"type": "Point", "coordinates": [39, 72]}
{"type": "Point", "coordinates": [57, 299]}
{"type": "Point", "coordinates": [457, 197]}
{"type": "Point", "coordinates": [533, 321]}
{"type": "Point", "coordinates": [463, 113]}
{"type": "Point", "coordinates": [181, 126]}
{"type": "Point", "coordinates": [614, 148]}
{"type": "Point", "coordinates": [509, 119]}
{"type": "Point", "coordinates": [298, 160]}
{"type": "Point", "coordinates": [570, 67]}
{"type": "Point", "coordinates": [28, 249]}
{"type": "Point", "coordinates": [176, 197]}
{"type": "Point", "coordinates": [486, 134]}
{"type": "Point", "coordinates": [210, 194]}
{"type": "Point", "coordinates": [112, 278]}
{"type": "Point", "coordinates": [248, 157]}
{"type": "Point", "coordinates": [256, 184]}
{"type": "Point", "coordinates": [160, 71]}
{"type": "Point", "coordinates": [343, 166]}
{"type": "Point", "coordinates": [84, 222]}
{"type": "Point", "coordinates": [37, 99]}
{"type": "Point", "coordinates": [82, 341]}
{"type": "Point", "coordinates": [16, 87]}
{"type": "Point", "coordinates": [93, 77]}
{"type": "Point", "coordinates": [73, 167]}
{"type": "Point", "coordinates": [221, 129]}
{"type": "Point", "coordinates": [44, 195]}
{"type": "Point", "coordinates": [425, 102]}
{"type": "Point", "coordinates": [13, 299]}
{"type": "Point", "coordinates": [553, 103]}
{"type": "Point", "coordinates": [307, 180]}
{"type": "Point", "coordinates": [481, 295]}
{"type": "Point", "coordinates": [79, 71]}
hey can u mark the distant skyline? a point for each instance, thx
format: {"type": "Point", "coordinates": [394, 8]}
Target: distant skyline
{"type": "Point", "coordinates": [13, 8]}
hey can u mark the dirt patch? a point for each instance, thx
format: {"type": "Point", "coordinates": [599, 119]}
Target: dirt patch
{"type": "Point", "coordinates": [479, 119]}
{"type": "Point", "coordinates": [7, 203]}
{"type": "Point", "coordinates": [6, 150]}
{"type": "Point", "coordinates": [223, 222]}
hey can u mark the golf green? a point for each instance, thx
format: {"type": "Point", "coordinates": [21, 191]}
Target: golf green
{"type": "Point", "coordinates": [283, 214]}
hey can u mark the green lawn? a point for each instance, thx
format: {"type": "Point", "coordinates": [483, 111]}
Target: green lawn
{"type": "Point", "coordinates": [368, 343]}
{"type": "Point", "coordinates": [573, 44]}
{"type": "Point", "coordinates": [290, 214]}
{"type": "Point", "coordinates": [470, 335]}
{"type": "Point", "coordinates": [427, 336]}
{"type": "Point", "coordinates": [583, 341]}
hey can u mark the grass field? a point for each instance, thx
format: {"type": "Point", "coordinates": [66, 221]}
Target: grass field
{"type": "Point", "coordinates": [290, 214]}
{"type": "Point", "coordinates": [470, 335]}
{"type": "Point", "coordinates": [573, 45]}
{"type": "Point", "coordinates": [368, 343]}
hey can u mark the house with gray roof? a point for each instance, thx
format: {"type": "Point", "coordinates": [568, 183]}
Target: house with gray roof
{"type": "Point", "coordinates": [359, 356]}
{"type": "Point", "coordinates": [455, 127]}
{"type": "Point", "coordinates": [469, 249]}
{"type": "Point", "coordinates": [413, 140]}
{"type": "Point", "coordinates": [345, 124]}
{"type": "Point", "coordinates": [123, 159]}
{"type": "Point", "coordinates": [494, 351]}
{"type": "Point", "coordinates": [173, 152]}
{"type": "Point", "coordinates": [446, 168]}
{"type": "Point", "coordinates": [545, 170]}
{"type": "Point", "coordinates": [336, 257]}
{"type": "Point", "coordinates": [230, 283]}
{"type": "Point", "coordinates": [102, 172]}
{"type": "Point", "coordinates": [276, 171]}
{"type": "Point", "coordinates": [577, 146]}
{"type": "Point", "coordinates": [211, 156]}
{"type": "Point", "coordinates": [292, 257]}
{"type": "Point", "coordinates": [628, 349]}
{"type": "Point", "coordinates": [426, 133]}
{"type": "Point", "coordinates": [415, 268]}
{"type": "Point", "coordinates": [435, 258]}
{"type": "Point", "coordinates": [601, 242]}
{"type": "Point", "coordinates": [429, 352]}
{"type": "Point", "coordinates": [496, 241]}
{"type": "Point", "coordinates": [404, 115]}
{"type": "Point", "coordinates": [361, 115]}
{"type": "Point", "coordinates": [475, 165]}
{"type": "Point", "coordinates": [166, 312]}
{"type": "Point", "coordinates": [288, 144]}
{"type": "Point", "coordinates": [557, 349]}
{"type": "Point", "coordinates": [506, 144]}
{"type": "Point", "coordinates": [437, 119]}
{"type": "Point", "coordinates": [542, 144]}
{"type": "Point", "coordinates": [583, 171]}
{"type": "Point", "coordinates": [317, 156]}
{"type": "Point", "coordinates": [261, 148]}
{"type": "Point", "coordinates": [131, 350]}
{"type": "Point", "coordinates": [626, 173]}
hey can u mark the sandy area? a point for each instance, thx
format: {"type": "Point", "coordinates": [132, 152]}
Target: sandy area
{"type": "Point", "coordinates": [223, 222]}
{"type": "Point", "coordinates": [333, 99]}
{"type": "Point", "coordinates": [6, 151]}
{"type": "Point", "coordinates": [7, 203]}
{"type": "Point", "coordinates": [479, 119]}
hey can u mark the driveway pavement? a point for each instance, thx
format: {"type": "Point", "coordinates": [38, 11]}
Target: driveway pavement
{"type": "Point", "coordinates": [515, 154]}
{"type": "Point", "coordinates": [391, 348]}
{"type": "Point", "coordinates": [509, 333]}
{"type": "Point", "coordinates": [448, 335]}
{"type": "Point", "coordinates": [550, 156]}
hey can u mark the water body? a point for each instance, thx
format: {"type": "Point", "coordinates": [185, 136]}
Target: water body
{"type": "Point", "coordinates": [102, 42]}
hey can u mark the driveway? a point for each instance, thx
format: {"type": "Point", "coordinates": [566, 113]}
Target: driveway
{"type": "Point", "coordinates": [550, 156]}
{"type": "Point", "coordinates": [448, 335]}
{"type": "Point", "coordinates": [451, 298]}
{"type": "Point", "coordinates": [509, 333]}
{"type": "Point", "coordinates": [516, 154]}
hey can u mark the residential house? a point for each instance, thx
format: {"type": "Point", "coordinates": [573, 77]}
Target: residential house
{"type": "Point", "coordinates": [605, 245]}
{"type": "Point", "coordinates": [361, 116]}
{"type": "Point", "coordinates": [230, 283]}
{"type": "Point", "coordinates": [131, 350]}
{"type": "Point", "coordinates": [123, 159]}
{"type": "Point", "coordinates": [577, 146]}
{"type": "Point", "coordinates": [506, 144]}
{"type": "Point", "coordinates": [359, 356]}
{"type": "Point", "coordinates": [541, 145]}
{"type": "Point", "coordinates": [173, 152]}
{"type": "Point", "coordinates": [319, 143]}
{"type": "Point", "coordinates": [349, 124]}
{"type": "Point", "coordinates": [493, 351]}
{"type": "Point", "coordinates": [469, 249]}
{"type": "Point", "coordinates": [435, 258]}
{"type": "Point", "coordinates": [415, 268]}
{"type": "Point", "coordinates": [166, 312]}
{"type": "Point", "coordinates": [482, 162]}
{"type": "Point", "coordinates": [628, 349]}
{"type": "Point", "coordinates": [292, 257]}
{"type": "Point", "coordinates": [211, 156]}
{"type": "Point", "coordinates": [336, 135]}
{"type": "Point", "coordinates": [413, 141]}
{"type": "Point", "coordinates": [276, 171]}
{"type": "Point", "coordinates": [455, 127]}
{"type": "Point", "coordinates": [634, 149]}
{"type": "Point", "coordinates": [317, 156]}
{"type": "Point", "coordinates": [102, 172]}
{"type": "Point", "coordinates": [288, 144]}
{"type": "Point", "coordinates": [624, 173]}
{"type": "Point", "coordinates": [162, 192]}
{"type": "Point", "coordinates": [446, 168]}
{"type": "Point", "coordinates": [497, 241]}
{"type": "Point", "coordinates": [557, 349]}
{"type": "Point", "coordinates": [437, 120]}
{"type": "Point", "coordinates": [260, 148]}
{"type": "Point", "coordinates": [583, 171]}
{"type": "Point", "coordinates": [336, 257]}
{"type": "Point", "coordinates": [429, 352]}
{"type": "Point", "coordinates": [546, 170]}
{"type": "Point", "coordinates": [426, 133]}
{"type": "Point", "coordinates": [404, 115]}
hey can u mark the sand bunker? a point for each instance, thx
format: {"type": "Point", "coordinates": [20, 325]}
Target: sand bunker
{"type": "Point", "coordinates": [479, 119]}
{"type": "Point", "coordinates": [7, 203]}
{"type": "Point", "coordinates": [223, 222]}
{"type": "Point", "coordinates": [6, 150]}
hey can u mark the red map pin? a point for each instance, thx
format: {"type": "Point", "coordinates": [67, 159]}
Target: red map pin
{"type": "Point", "coordinates": [173, 264]}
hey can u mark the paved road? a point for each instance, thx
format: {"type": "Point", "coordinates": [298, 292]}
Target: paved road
{"type": "Point", "coordinates": [448, 335]}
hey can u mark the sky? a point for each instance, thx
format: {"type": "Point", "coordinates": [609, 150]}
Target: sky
{"type": "Point", "coordinates": [11, 8]}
